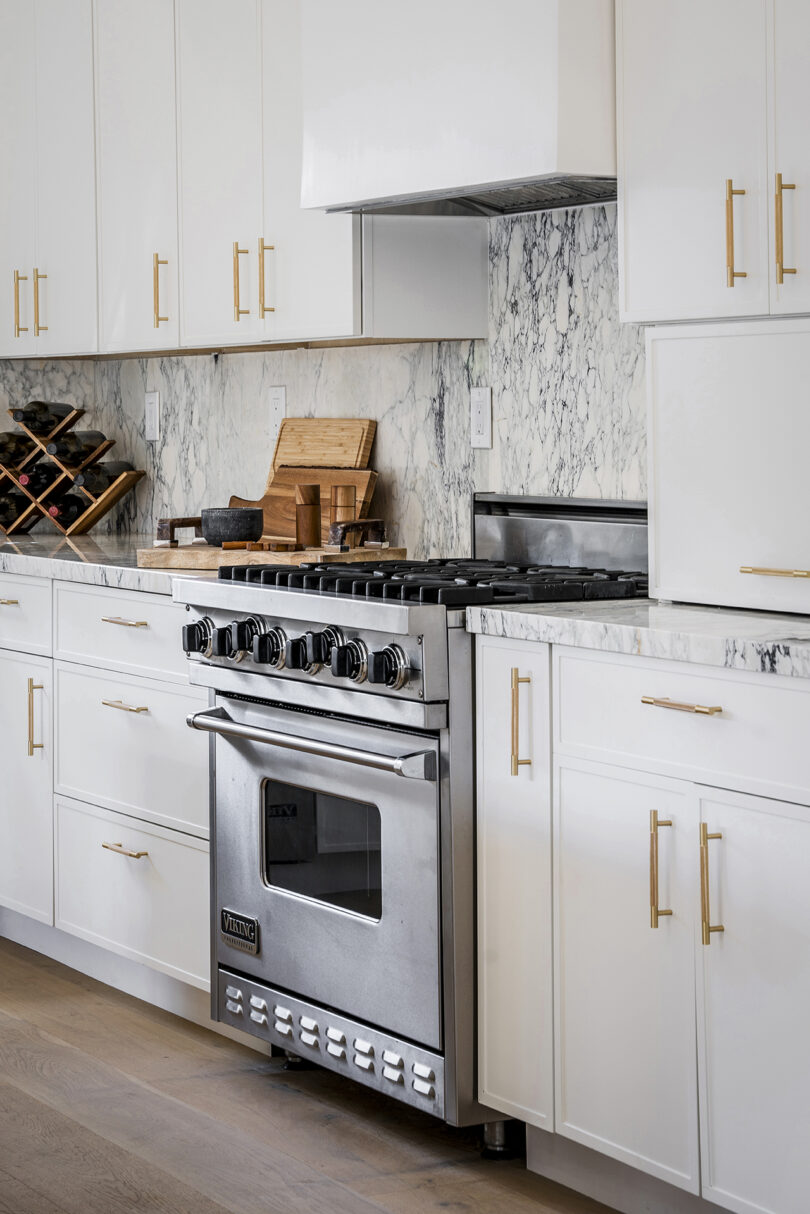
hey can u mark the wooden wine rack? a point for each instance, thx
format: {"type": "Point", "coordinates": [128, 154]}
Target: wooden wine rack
{"type": "Point", "coordinates": [97, 506]}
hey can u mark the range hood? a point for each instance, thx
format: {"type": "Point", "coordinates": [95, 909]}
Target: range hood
{"type": "Point", "coordinates": [445, 109]}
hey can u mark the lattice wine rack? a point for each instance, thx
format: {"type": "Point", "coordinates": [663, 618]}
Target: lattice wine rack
{"type": "Point", "coordinates": [97, 504]}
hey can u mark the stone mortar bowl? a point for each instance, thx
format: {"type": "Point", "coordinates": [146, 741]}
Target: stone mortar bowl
{"type": "Point", "coordinates": [231, 524]}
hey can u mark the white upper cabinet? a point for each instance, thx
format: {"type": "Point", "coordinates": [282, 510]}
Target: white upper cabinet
{"type": "Point", "coordinates": [789, 54]}
{"type": "Point", "coordinates": [441, 98]}
{"type": "Point", "coordinates": [219, 114]}
{"type": "Point", "coordinates": [137, 175]}
{"type": "Point", "coordinates": [17, 196]}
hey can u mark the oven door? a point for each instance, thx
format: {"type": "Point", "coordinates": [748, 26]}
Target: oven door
{"type": "Point", "coordinates": [327, 862]}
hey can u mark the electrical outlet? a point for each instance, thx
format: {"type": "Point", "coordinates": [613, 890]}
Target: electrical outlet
{"type": "Point", "coordinates": [278, 410]}
{"type": "Point", "coordinates": [481, 417]}
{"type": "Point", "coordinates": [151, 416]}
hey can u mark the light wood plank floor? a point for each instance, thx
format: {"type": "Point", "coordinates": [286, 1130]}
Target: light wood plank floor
{"type": "Point", "coordinates": [110, 1106]}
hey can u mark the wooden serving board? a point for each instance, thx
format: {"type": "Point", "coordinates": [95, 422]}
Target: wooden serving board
{"type": "Point", "coordinates": [314, 442]}
{"type": "Point", "coordinates": [203, 556]}
{"type": "Point", "coordinates": [278, 502]}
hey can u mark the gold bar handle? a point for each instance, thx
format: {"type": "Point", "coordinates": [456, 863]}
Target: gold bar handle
{"type": "Point", "coordinates": [122, 707]}
{"type": "Point", "coordinates": [763, 571]}
{"type": "Point", "coordinates": [655, 910]}
{"type": "Point", "coordinates": [779, 225]}
{"type": "Point", "coordinates": [120, 850]}
{"type": "Point", "coordinates": [705, 913]}
{"type": "Point", "coordinates": [117, 619]}
{"type": "Point", "coordinates": [18, 278]}
{"type": "Point", "coordinates": [702, 710]}
{"type": "Point", "coordinates": [9, 602]}
{"type": "Point", "coordinates": [237, 253]}
{"type": "Point", "coordinates": [731, 273]}
{"type": "Point", "coordinates": [38, 328]}
{"type": "Point", "coordinates": [32, 745]}
{"type": "Point", "coordinates": [157, 262]}
{"type": "Point", "coordinates": [516, 761]}
{"type": "Point", "coordinates": [263, 248]}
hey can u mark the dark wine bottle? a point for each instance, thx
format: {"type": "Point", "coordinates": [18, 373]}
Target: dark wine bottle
{"type": "Point", "coordinates": [14, 448]}
{"type": "Point", "coordinates": [38, 478]}
{"type": "Point", "coordinates": [75, 447]}
{"type": "Point", "coordinates": [99, 477]}
{"type": "Point", "coordinates": [68, 508]}
{"type": "Point", "coordinates": [41, 416]}
{"type": "Point", "coordinates": [12, 505]}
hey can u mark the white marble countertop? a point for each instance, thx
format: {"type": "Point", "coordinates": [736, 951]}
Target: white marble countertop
{"type": "Point", "coordinates": [714, 636]}
{"type": "Point", "coordinates": [105, 560]}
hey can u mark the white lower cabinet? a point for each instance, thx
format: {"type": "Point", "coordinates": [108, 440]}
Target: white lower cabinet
{"type": "Point", "coordinates": [134, 888]}
{"type": "Point", "coordinates": [26, 760]}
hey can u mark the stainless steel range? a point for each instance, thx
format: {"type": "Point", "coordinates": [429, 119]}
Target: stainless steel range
{"type": "Point", "coordinates": [342, 768]}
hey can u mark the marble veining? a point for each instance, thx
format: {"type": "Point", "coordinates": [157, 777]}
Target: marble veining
{"type": "Point", "coordinates": [96, 560]}
{"type": "Point", "coordinates": [713, 636]}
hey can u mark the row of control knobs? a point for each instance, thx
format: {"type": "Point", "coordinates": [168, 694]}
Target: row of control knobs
{"type": "Point", "coordinates": [309, 653]}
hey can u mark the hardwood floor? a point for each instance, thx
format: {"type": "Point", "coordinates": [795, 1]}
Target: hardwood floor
{"type": "Point", "coordinates": [110, 1106]}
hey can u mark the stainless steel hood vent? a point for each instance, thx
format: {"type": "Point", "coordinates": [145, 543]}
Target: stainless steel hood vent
{"type": "Point", "coordinates": [513, 198]}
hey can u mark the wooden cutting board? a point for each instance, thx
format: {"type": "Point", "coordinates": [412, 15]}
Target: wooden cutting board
{"type": "Point", "coordinates": [278, 502]}
{"type": "Point", "coordinates": [203, 556]}
{"type": "Point", "coordinates": [314, 442]}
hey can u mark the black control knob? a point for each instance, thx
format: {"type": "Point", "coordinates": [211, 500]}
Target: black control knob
{"type": "Point", "coordinates": [195, 636]}
{"type": "Point", "coordinates": [321, 644]}
{"type": "Point", "coordinates": [296, 654]}
{"type": "Point", "coordinates": [350, 661]}
{"type": "Point", "coordinates": [388, 666]}
{"type": "Point", "coordinates": [269, 648]}
{"type": "Point", "coordinates": [221, 646]}
{"type": "Point", "coordinates": [242, 634]}
{"type": "Point", "coordinates": [342, 661]}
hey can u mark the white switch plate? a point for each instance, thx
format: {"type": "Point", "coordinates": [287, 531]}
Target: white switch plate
{"type": "Point", "coordinates": [278, 409]}
{"type": "Point", "coordinates": [151, 416]}
{"type": "Point", "coordinates": [481, 417]}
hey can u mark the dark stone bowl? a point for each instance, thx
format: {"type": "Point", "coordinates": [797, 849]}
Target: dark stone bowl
{"type": "Point", "coordinates": [233, 524]}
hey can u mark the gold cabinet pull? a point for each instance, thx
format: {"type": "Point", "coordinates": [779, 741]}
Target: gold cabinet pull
{"type": "Point", "coordinates": [731, 273]}
{"type": "Point", "coordinates": [32, 745]}
{"type": "Point", "coordinates": [702, 710]}
{"type": "Point", "coordinates": [122, 707]}
{"type": "Point", "coordinates": [705, 914]}
{"type": "Point", "coordinates": [157, 262]}
{"type": "Point", "coordinates": [763, 571]}
{"type": "Point", "coordinates": [120, 850]}
{"type": "Point", "coordinates": [38, 328]}
{"type": "Point", "coordinates": [18, 278]}
{"type": "Point", "coordinates": [9, 602]}
{"type": "Point", "coordinates": [517, 762]}
{"type": "Point", "coordinates": [237, 253]}
{"type": "Point", "coordinates": [263, 248]}
{"type": "Point", "coordinates": [779, 225]}
{"type": "Point", "coordinates": [117, 619]}
{"type": "Point", "coordinates": [655, 910]}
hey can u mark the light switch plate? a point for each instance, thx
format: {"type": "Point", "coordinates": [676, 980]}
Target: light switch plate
{"type": "Point", "coordinates": [278, 409]}
{"type": "Point", "coordinates": [151, 417]}
{"type": "Point", "coordinates": [481, 417]}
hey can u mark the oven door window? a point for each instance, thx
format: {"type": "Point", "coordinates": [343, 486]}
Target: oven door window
{"type": "Point", "coordinates": [323, 847]}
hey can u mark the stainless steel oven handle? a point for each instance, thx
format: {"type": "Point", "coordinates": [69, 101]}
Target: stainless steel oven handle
{"type": "Point", "coordinates": [421, 765]}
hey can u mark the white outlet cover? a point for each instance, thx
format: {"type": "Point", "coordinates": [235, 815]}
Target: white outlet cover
{"type": "Point", "coordinates": [480, 417]}
{"type": "Point", "coordinates": [278, 408]}
{"type": "Point", "coordinates": [151, 417]}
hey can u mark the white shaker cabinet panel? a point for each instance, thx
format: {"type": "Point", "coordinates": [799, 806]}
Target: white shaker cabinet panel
{"type": "Point", "coordinates": [18, 158]}
{"type": "Point", "coordinates": [790, 68]}
{"type": "Point", "coordinates": [137, 175]}
{"type": "Point", "coordinates": [26, 760]}
{"type": "Point", "coordinates": [219, 97]}
{"type": "Point", "coordinates": [514, 880]}
{"type": "Point", "coordinates": [692, 115]}
{"type": "Point", "coordinates": [754, 1047]}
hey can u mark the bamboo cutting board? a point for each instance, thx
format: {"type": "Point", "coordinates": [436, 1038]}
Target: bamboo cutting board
{"type": "Point", "coordinates": [202, 556]}
{"type": "Point", "coordinates": [314, 442]}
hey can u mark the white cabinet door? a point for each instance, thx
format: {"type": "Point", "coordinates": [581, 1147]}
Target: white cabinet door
{"type": "Point", "coordinates": [220, 169]}
{"type": "Point", "coordinates": [26, 833]}
{"type": "Point", "coordinates": [514, 880]}
{"type": "Point", "coordinates": [692, 104]}
{"type": "Point", "coordinates": [66, 184]}
{"type": "Point", "coordinates": [625, 991]}
{"type": "Point", "coordinates": [728, 433]}
{"type": "Point", "coordinates": [790, 68]}
{"type": "Point", "coordinates": [137, 174]}
{"type": "Point", "coordinates": [18, 158]}
{"type": "Point", "coordinates": [754, 1053]}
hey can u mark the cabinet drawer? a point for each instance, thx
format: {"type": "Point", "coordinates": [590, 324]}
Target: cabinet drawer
{"type": "Point", "coordinates": [25, 614]}
{"type": "Point", "coordinates": [758, 742]}
{"type": "Point", "coordinates": [119, 629]}
{"type": "Point", "coordinates": [153, 908]}
{"type": "Point", "coordinates": [147, 763]}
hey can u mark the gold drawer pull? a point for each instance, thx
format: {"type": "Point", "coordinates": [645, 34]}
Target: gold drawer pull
{"type": "Point", "coordinates": [763, 571]}
{"type": "Point", "coordinates": [18, 278]}
{"type": "Point", "coordinates": [38, 328]}
{"type": "Point", "coordinates": [120, 850]}
{"type": "Point", "coordinates": [263, 248]}
{"type": "Point", "coordinates": [731, 273]}
{"type": "Point", "coordinates": [516, 761]}
{"type": "Point", "coordinates": [655, 909]}
{"type": "Point", "coordinates": [702, 710]}
{"type": "Point", "coordinates": [705, 913]}
{"type": "Point", "coordinates": [122, 707]}
{"type": "Point", "coordinates": [157, 319]}
{"type": "Point", "coordinates": [32, 745]}
{"type": "Point", "coordinates": [238, 312]}
{"type": "Point", "coordinates": [116, 619]}
{"type": "Point", "coordinates": [779, 224]}
{"type": "Point", "coordinates": [9, 602]}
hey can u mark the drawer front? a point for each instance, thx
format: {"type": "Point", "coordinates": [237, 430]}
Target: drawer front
{"type": "Point", "coordinates": [119, 630]}
{"type": "Point", "coordinates": [150, 907]}
{"type": "Point", "coordinates": [147, 763]}
{"type": "Point", "coordinates": [25, 614]}
{"type": "Point", "coordinates": [757, 743]}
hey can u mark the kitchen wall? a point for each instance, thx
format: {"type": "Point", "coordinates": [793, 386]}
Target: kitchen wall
{"type": "Point", "coordinates": [567, 380]}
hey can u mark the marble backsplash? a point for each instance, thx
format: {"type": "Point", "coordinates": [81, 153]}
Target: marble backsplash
{"type": "Point", "coordinates": [567, 382]}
